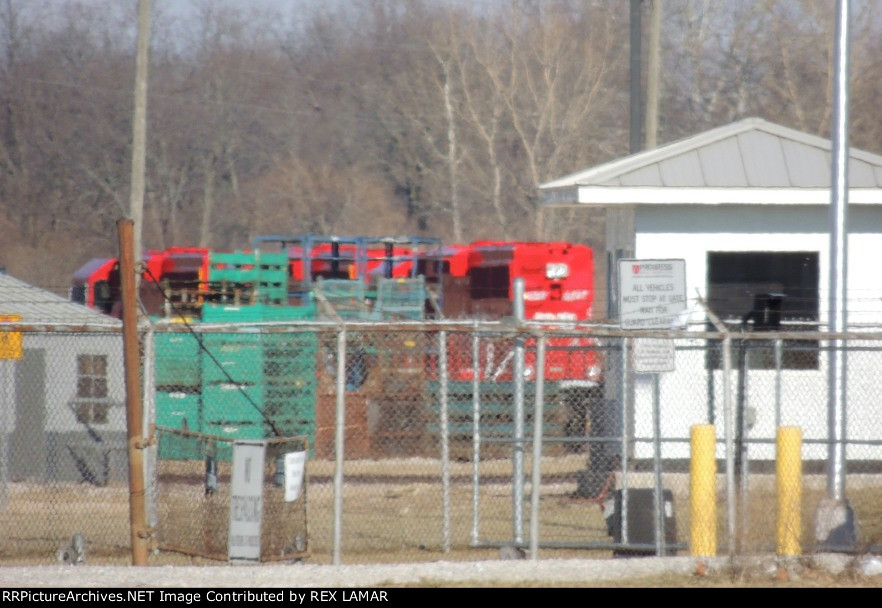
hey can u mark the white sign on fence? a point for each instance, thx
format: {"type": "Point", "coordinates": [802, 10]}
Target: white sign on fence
{"type": "Point", "coordinates": [295, 467]}
{"type": "Point", "coordinates": [246, 501]}
{"type": "Point", "coordinates": [653, 355]}
{"type": "Point", "coordinates": [652, 293]}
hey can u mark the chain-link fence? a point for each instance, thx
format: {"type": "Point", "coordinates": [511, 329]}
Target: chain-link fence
{"type": "Point", "coordinates": [202, 509]}
{"type": "Point", "coordinates": [420, 441]}
{"type": "Point", "coordinates": [64, 464]}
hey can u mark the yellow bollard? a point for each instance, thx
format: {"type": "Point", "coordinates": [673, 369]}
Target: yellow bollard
{"type": "Point", "coordinates": [703, 492]}
{"type": "Point", "coordinates": [788, 475]}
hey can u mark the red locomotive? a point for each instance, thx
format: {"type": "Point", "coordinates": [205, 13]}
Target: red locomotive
{"type": "Point", "coordinates": [463, 281]}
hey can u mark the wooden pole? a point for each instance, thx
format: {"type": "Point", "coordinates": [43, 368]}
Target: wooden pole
{"type": "Point", "coordinates": [132, 361]}
{"type": "Point", "coordinates": [139, 128]}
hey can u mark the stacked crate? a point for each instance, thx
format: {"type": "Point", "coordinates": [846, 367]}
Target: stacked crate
{"type": "Point", "coordinates": [400, 299]}
{"type": "Point", "coordinates": [342, 298]}
{"type": "Point", "coordinates": [256, 384]}
{"type": "Point", "coordinates": [178, 374]}
{"type": "Point", "coordinates": [249, 277]}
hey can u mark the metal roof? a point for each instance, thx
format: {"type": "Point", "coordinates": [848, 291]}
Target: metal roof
{"type": "Point", "coordinates": [35, 305]}
{"type": "Point", "coordinates": [749, 161]}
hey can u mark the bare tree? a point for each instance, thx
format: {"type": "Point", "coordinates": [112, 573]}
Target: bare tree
{"type": "Point", "coordinates": [374, 116]}
{"type": "Point", "coordinates": [560, 88]}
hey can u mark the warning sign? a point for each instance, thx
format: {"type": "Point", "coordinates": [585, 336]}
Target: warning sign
{"type": "Point", "coordinates": [246, 501]}
{"type": "Point", "coordinates": [653, 355]}
{"type": "Point", "coordinates": [10, 341]}
{"type": "Point", "coordinates": [653, 293]}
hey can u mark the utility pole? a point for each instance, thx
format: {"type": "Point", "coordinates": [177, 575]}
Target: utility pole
{"type": "Point", "coordinates": [139, 128]}
{"type": "Point", "coordinates": [140, 536]}
{"type": "Point", "coordinates": [652, 73]}
{"type": "Point", "coordinates": [636, 94]}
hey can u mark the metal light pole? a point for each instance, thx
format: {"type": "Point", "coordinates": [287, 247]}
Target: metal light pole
{"type": "Point", "coordinates": [835, 524]}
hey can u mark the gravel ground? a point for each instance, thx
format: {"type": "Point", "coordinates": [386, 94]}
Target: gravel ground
{"type": "Point", "coordinates": [545, 572]}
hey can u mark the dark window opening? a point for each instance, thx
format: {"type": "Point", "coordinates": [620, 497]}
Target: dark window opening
{"type": "Point", "coordinates": [91, 405]}
{"type": "Point", "coordinates": [742, 285]}
{"type": "Point", "coordinates": [489, 282]}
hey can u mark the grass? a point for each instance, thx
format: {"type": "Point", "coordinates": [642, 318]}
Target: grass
{"type": "Point", "coordinates": [393, 513]}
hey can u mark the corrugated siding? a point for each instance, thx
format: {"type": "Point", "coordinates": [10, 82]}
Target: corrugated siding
{"type": "Point", "coordinates": [721, 164]}
{"type": "Point", "coordinates": [749, 153]}
{"type": "Point", "coordinates": [683, 170]}
{"type": "Point", "coordinates": [861, 175]}
{"type": "Point", "coordinates": [763, 160]}
{"type": "Point", "coordinates": [647, 176]}
{"type": "Point", "coordinates": [807, 167]}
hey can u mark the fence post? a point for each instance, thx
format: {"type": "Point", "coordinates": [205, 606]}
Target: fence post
{"type": "Point", "coordinates": [703, 492]}
{"type": "Point", "coordinates": [445, 442]}
{"type": "Point", "coordinates": [658, 486]}
{"type": "Point", "coordinates": [729, 428]}
{"type": "Point", "coordinates": [518, 452]}
{"type": "Point", "coordinates": [149, 418]}
{"type": "Point", "coordinates": [339, 433]}
{"type": "Point", "coordinates": [538, 415]}
{"type": "Point", "coordinates": [622, 367]}
{"type": "Point", "coordinates": [476, 435]}
{"type": "Point", "coordinates": [7, 419]}
{"type": "Point", "coordinates": [778, 363]}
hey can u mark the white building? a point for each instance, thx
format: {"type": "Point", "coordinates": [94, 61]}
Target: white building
{"type": "Point", "coordinates": [746, 206]}
{"type": "Point", "coordinates": [62, 401]}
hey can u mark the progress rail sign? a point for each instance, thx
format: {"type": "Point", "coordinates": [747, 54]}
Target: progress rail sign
{"type": "Point", "coordinates": [652, 293]}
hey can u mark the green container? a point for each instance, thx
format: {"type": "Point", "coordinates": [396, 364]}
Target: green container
{"type": "Point", "coordinates": [292, 371]}
{"type": "Point", "coordinates": [261, 312]}
{"type": "Point", "coordinates": [291, 427]}
{"type": "Point", "coordinates": [233, 362]}
{"type": "Point", "coordinates": [247, 267]}
{"type": "Point", "coordinates": [231, 313]}
{"type": "Point", "coordinates": [400, 299]}
{"type": "Point", "coordinates": [234, 267]}
{"type": "Point", "coordinates": [180, 447]}
{"type": "Point", "coordinates": [242, 339]}
{"type": "Point", "coordinates": [287, 343]}
{"type": "Point", "coordinates": [236, 429]}
{"type": "Point", "coordinates": [179, 410]}
{"type": "Point", "coordinates": [231, 401]}
{"type": "Point", "coordinates": [283, 410]}
{"type": "Point", "coordinates": [178, 360]}
{"type": "Point", "coordinates": [289, 313]}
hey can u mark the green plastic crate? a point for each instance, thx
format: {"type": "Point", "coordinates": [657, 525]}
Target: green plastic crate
{"type": "Point", "coordinates": [247, 402]}
{"type": "Point", "coordinates": [173, 408]}
{"type": "Point", "coordinates": [234, 362]}
{"type": "Point", "coordinates": [260, 312]}
{"type": "Point", "coordinates": [235, 429]}
{"type": "Point", "coordinates": [232, 401]}
{"type": "Point", "coordinates": [178, 410]}
{"type": "Point", "coordinates": [177, 361]}
{"type": "Point", "coordinates": [400, 299]}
